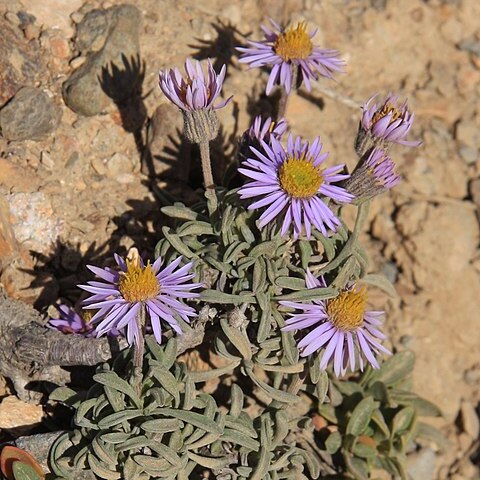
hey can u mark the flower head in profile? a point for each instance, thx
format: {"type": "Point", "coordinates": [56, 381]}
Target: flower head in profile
{"type": "Point", "coordinates": [195, 94]}
{"type": "Point", "coordinates": [374, 175]}
{"type": "Point", "coordinates": [389, 121]}
{"type": "Point", "coordinates": [195, 91]}
{"type": "Point", "coordinates": [71, 322]}
{"type": "Point", "coordinates": [121, 296]}
{"type": "Point", "coordinates": [287, 49]}
{"type": "Point", "coordinates": [342, 327]}
{"type": "Point", "coordinates": [261, 130]}
{"type": "Point", "coordinates": [292, 183]}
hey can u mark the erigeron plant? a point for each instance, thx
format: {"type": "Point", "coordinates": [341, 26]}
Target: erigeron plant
{"type": "Point", "coordinates": [280, 285]}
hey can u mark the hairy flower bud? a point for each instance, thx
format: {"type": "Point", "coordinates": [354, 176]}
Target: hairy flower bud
{"type": "Point", "coordinates": [373, 175]}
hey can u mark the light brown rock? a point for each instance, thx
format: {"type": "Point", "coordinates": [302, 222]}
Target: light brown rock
{"type": "Point", "coordinates": [15, 414]}
{"type": "Point", "coordinates": [470, 421]}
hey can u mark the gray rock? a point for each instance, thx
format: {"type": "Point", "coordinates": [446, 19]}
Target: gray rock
{"type": "Point", "coordinates": [421, 464]}
{"type": "Point", "coordinates": [92, 31]}
{"type": "Point", "coordinates": [30, 115]}
{"type": "Point", "coordinates": [471, 46]}
{"type": "Point", "coordinates": [474, 188]}
{"type": "Point", "coordinates": [20, 61]}
{"type": "Point", "coordinates": [469, 154]}
{"type": "Point", "coordinates": [111, 73]}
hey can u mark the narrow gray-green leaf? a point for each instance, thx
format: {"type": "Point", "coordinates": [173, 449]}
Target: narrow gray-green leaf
{"type": "Point", "coordinates": [115, 437]}
{"type": "Point", "coordinates": [357, 467]}
{"type": "Point", "coordinates": [361, 416]}
{"type": "Point", "coordinates": [321, 388]}
{"type": "Point", "coordinates": [195, 228]}
{"type": "Point", "coordinates": [180, 212]}
{"type": "Point", "coordinates": [161, 425]}
{"type": "Point", "coordinates": [395, 368]}
{"type": "Point", "coordinates": [239, 438]}
{"type": "Point", "coordinates": [24, 471]}
{"type": "Point", "coordinates": [364, 451]}
{"type": "Point", "coordinates": [215, 296]}
{"type": "Point", "coordinates": [168, 382]}
{"type": "Point", "coordinates": [237, 399]}
{"type": "Point", "coordinates": [167, 453]}
{"type": "Point", "coordinates": [112, 380]}
{"type": "Point", "coordinates": [203, 376]}
{"type": "Point", "coordinates": [333, 442]}
{"type": "Point", "coordinates": [196, 419]}
{"type": "Point", "coordinates": [422, 406]}
{"type": "Point", "coordinates": [292, 283]}
{"type": "Point", "coordinates": [99, 469]}
{"type": "Point", "coordinates": [266, 248]}
{"type": "Point", "coordinates": [308, 295]}
{"type": "Point", "coordinates": [379, 420]}
{"type": "Point", "coordinates": [118, 417]}
{"type": "Point", "coordinates": [274, 393]}
{"type": "Point", "coordinates": [177, 243]}
{"type": "Point", "coordinates": [402, 420]}
{"type": "Point", "coordinates": [209, 462]}
{"type": "Point", "coordinates": [262, 467]}
{"type": "Point", "coordinates": [428, 432]}
{"type": "Point", "coordinates": [238, 338]}
{"type": "Point", "coordinates": [381, 282]}
{"type": "Point", "coordinates": [135, 443]}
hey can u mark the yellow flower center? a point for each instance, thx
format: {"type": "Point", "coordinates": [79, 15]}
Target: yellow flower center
{"type": "Point", "coordinates": [300, 178]}
{"type": "Point", "coordinates": [138, 283]}
{"type": "Point", "coordinates": [87, 315]}
{"type": "Point", "coordinates": [294, 43]}
{"type": "Point", "coordinates": [346, 311]}
{"type": "Point", "coordinates": [384, 111]}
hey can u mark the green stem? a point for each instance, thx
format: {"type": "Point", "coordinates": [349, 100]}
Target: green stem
{"type": "Point", "coordinates": [349, 246]}
{"type": "Point", "coordinates": [210, 193]}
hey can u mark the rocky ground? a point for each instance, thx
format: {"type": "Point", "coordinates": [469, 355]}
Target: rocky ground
{"type": "Point", "coordinates": [88, 146]}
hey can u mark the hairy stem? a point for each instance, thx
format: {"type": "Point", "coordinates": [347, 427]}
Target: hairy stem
{"type": "Point", "coordinates": [212, 201]}
{"type": "Point", "coordinates": [284, 96]}
{"type": "Point", "coordinates": [139, 349]}
{"type": "Point", "coordinates": [352, 240]}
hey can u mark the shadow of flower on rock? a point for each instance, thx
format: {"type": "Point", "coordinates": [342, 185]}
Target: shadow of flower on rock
{"type": "Point", "coordinates": [222, 47]}
{"type": "Point", "coordinates": [57, 274]}
{"type": "Point", "coordinates": [124, 85]}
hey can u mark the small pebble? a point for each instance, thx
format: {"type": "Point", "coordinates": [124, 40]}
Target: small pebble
{"type": "Point", "coordinates": [470, 421]}
{"type": "Point", "coordinates": [77, 62]}
{"type": "Point", "coordinates": [47, 161]}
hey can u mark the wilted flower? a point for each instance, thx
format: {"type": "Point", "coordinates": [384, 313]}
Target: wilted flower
{"type": "Point", "coordinates": [291, 183]}
{"type": "Point", "coordinates": [387, 122]}
{"type": "Point", "coordinates": [122, 295]}
{"type": "Point", "coordinates": [71, 322]}
{"type": "Point", "coordinates": [261, 130]}
{"type": "Point", "coordinates": [343, 328]}
{"type": "Point", "coordinates": [289, 49]}
{"type": "Point", "coordinates": [374, 175]}
{"type": "Point", "coordinates": [195, 95]}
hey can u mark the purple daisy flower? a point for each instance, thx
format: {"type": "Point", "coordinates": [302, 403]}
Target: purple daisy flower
{"type": "Point", "coordinates": [258, 131]}
{"type": "Point", "coordinates": [196, 91]}
{"type": "Point", "coordinates": [123, 294]}
{"type": "Point", "coordinates": [346, 331]}
{"type": "Point", "coordinates": [374, 175]}
{"type": "Point", "coordinates": [290, 183]}
{"type": "Point", "coordinates": [287, 49]}
{"type": "Point", "coordinates": [388, 122]}
{"type": "Point", "coordinates": [71, 322]}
